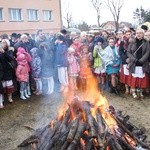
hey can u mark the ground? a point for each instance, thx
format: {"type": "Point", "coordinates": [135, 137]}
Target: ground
{"type": "Point", "coordinates": [18, 120]}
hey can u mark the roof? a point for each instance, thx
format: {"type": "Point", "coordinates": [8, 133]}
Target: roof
{"type": "Point", "coordinates": [127, 24]}
{"type": "Point", "coordinates": [108, 22]}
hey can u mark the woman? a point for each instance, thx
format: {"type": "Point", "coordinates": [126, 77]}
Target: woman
{"type": "Point", "coordinates": [1, 77]}
{"type": "Point", "coordinates": [138, 54]}
{"type": "Point", "coordinates": [112, 63]}
{"type": "Point", "coordinates": [6, 58]}
{"type": "Point", "coordinates": [99, 69]}
{"type": "Point", "coordinates": [124, 72]}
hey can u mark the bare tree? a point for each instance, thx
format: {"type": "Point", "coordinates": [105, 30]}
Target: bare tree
{"type": "Point", "coordinates": [68, 18]}
{"type": "Point", "coordinates": [67, 14]}
{"type": "Point", "coordinates": [115, 8]}
{"type": "Point", "coordinates": [97, 6]}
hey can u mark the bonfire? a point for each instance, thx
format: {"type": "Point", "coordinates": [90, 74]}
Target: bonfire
{"type": "Point", "coordinates": [87, 122]}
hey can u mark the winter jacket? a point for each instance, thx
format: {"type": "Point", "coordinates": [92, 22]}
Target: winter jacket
{"type": "Point", "coordinates": [73, 67]}
{"type": "Point", "coordinates": [108, 56]}
{"type": "Point", "coordinates": [97, 58]}
{"type": "Point", "coordinates": [22, 73]}
{"type": "Point", "coordinates": [5, 59]}
{"type": "Point", "coordinates": [46, 55]}
{"type": "Point", "coordinates": [1, 77]}
{"type": "Point", "coordinates": [35, 63]}
{"type": "Point", "coordinates": [76, 46]}
{"type": "Point", "coordinates": [27, 56]}
{"type": "Point", "coordinates": [132, 55]}
{"type": "Point", "coordinates": [61, 55]}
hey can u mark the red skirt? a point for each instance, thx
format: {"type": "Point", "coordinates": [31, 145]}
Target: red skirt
{"type": "Point", "coordinates": [136, 82]}
{"type": "Point", "coordinates": [125, 79]}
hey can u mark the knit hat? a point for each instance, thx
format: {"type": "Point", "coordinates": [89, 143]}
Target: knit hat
{"type": "Point", "coordinates": [34, 51]}
{"type": "Point", "coordinates": [99, 39]}
{"type": "Point", "coordinates": [144, 27]}
{"type": "Point", "coordinates": [21, 50]}
{"type": "Point", "coordinates": [7, 41]}
{"type": "Point", "coordinates": [71, 50]}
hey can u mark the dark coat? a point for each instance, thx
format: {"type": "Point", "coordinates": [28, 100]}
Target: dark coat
{"type": "Point", "coordinates": [46, 55]}
{"type": "Point", "coordinates": [61, 55]}
{"type": "Point", "coordinates": [1, 77]}
{"type": "Point", "coordinates": [123, 51]}
{"type": "Point", "coordinates": [5, 59]}
{"type": "Point", "coordinates": [133, 56]}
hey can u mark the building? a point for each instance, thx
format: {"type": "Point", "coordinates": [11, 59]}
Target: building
{"type": "Point", "coordinates": [22, 16]}
{"type": "Point", "coordinates": [109, 26]}
{"type": "Point", "coordinates": [123, 25]}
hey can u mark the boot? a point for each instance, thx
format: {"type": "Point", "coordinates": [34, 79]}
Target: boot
{"type": "Point", "coordinates": [26, 94]}
{"type": "Point", "coordinates": [116, 91]}
{"type": "Point", "coordinates": [39, 87]}
{"type": "Point", "coordinates": [48, 87]}
{"type": "Point", "coordinates": [22, 95]}
{"type": "Point", "coordinates": [28, 90]}
{"type": "Point", "coordinates": [51, 82]}
{"type": "Point", "coordinates": [141, 94]}
{"type": "Point", "coordinates": [1, 101]}
{"type": "Point", "coordinates": [10, 98]}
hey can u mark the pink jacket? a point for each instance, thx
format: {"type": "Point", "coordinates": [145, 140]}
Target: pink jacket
{"type": "Point", "coordinates": [27, 56]}
{"type": "Point", "coordinates": [73, 65]}
{"type": "Point", "coordinates": [22, 73]}
{"type": "Point", "coordinates": [76, 46]}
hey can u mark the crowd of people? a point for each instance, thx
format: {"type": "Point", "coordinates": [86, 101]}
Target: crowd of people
{"type": "Point", "coordinates": [115, 59]}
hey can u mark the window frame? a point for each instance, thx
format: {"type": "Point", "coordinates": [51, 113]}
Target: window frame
{"type": "Point", "coordinates": [10, 15]}
{"type": "Point", "coordinates": [29, 16]}
{"type": "Point", "coordinates": [51, 15]}
{"type": "Point", "coordinates": [1, 10]}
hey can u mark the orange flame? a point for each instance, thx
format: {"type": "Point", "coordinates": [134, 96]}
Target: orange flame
{"type": "Point", "coordinates": [95, 142]}
{"type": "Point", "coordinates": [52, 124]}
{"type": "Point", "coordinates": [130, 140]}
{"type": "Point", "coordinates": [86, 132]}
{"type": "Point", "coordinates": [107, 148]}
{"type": "Point", "coordinates": [82, 142]}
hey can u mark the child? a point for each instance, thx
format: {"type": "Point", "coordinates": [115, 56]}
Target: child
{"type": "Point", "coordinates": [73, 68]}
{"type": "Point", "coordinates": [85, 70]}
{"type": "Point", "coordinates": [22, 73]}
{"type": "Point", "coordinates": [99, 69]}
{"type": "Point", "coordinates": [47, 72]}
{"type": "Point", "coordinates": [62, 63]}
{"type": "Point", "coordinates": [36, 70]}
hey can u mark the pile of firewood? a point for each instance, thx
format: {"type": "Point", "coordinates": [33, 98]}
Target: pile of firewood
{"type": "Point", "coordinates": [79, 129]}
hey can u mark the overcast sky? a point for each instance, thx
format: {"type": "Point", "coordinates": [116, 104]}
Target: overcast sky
{"type": "Point", "coordinates": [82, 10]}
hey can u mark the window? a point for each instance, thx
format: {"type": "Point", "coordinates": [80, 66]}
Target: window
{"type": "Point", "coordinates": [32, 15]}
{"type": "Point", "coordinates": [15, 14]}
{"type": "Point", "coordinates": [1, 14]}
{"type": "Point", "coordinates": [47, 15]}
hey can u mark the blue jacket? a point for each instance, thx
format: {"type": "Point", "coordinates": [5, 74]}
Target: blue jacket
{"type": "Point", "coordinates": [61, 55]}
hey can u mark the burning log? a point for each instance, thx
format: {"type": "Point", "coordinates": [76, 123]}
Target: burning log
{"type": "Point", "coordinates": [76, 139]}
{"type": "Point", "coordinates": [144, 145]}
{"type": "Point", "coordinates": [79, 129]}
{"type": "Point", "coordinates": [73, 130]}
